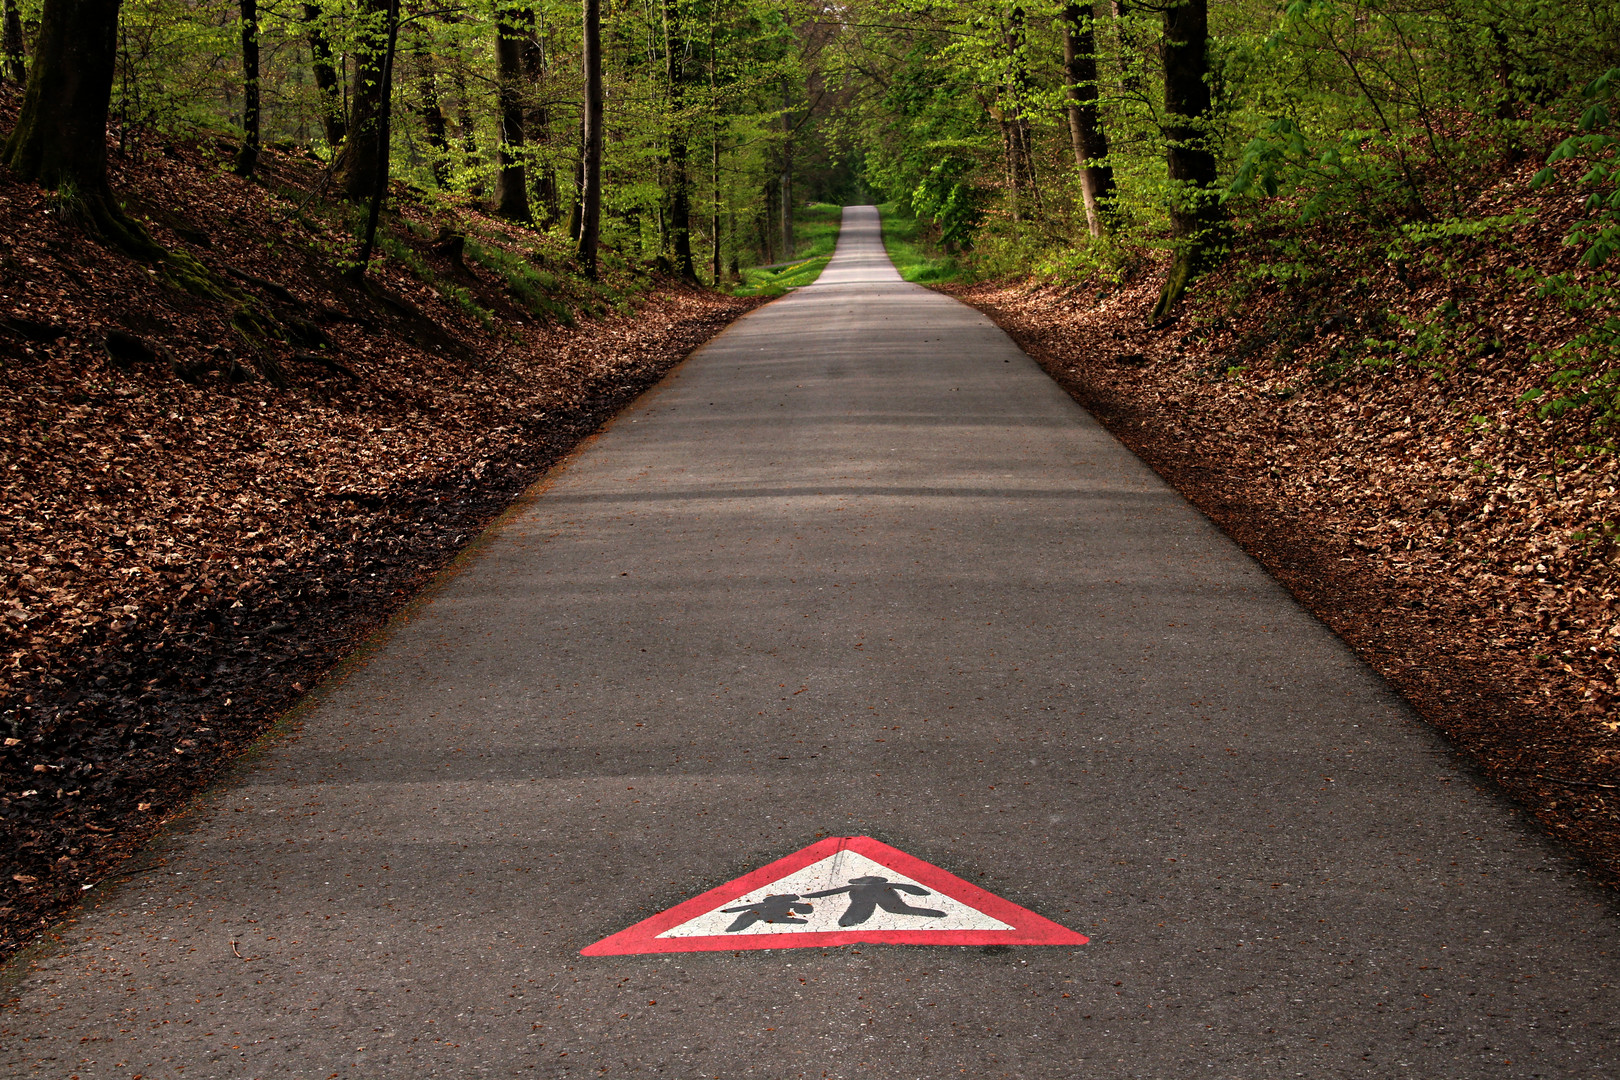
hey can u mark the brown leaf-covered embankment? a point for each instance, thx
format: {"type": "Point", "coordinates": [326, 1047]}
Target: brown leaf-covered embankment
{"type": "Point", "coordinates": [1396, 483]}
{"type": "Point", "coordinates": [209, 493]}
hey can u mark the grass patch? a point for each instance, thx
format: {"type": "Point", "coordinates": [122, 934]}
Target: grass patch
{"type": "Point", "coordinates": [532, 287]}
{"type": "Point", "coordinates": [764, 281]}
{"type": "Point", "coordinates": [910, 251]}
{"type": "Point", "coordinates": [403, 254]}
{"type": "Point", "coordinates": [815, 234]}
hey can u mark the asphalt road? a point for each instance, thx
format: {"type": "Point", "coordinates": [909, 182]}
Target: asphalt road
{"type": "Point", "coordinates": [857, 568]}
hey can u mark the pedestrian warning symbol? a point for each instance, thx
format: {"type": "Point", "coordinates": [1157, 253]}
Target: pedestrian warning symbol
{"type": "Point", "coordinates": [843, 890]}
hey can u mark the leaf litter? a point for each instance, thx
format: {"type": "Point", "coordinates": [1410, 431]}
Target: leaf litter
{"type": "Point", "coordinates": [1391, 476]}
{"type": "Point", "coordinates": [198, 518]}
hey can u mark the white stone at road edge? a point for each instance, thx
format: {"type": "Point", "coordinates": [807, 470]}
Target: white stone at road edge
{"type": "Point", "coordinates": [831, 873]}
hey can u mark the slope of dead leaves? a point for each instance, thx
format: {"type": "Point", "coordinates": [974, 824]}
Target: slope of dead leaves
{"type": "Point", "coordinates": [1462, 546]}
{"type": "Point", "coordinates": [197, 522]}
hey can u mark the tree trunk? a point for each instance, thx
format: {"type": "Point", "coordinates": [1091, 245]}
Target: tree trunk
{"type": "Point", "coordinates": [1016, 134]}
{"type": "Point", "coordinates": [511, 183]}
{"type": "Point", "coordinates": [1195, 213]}
{"type": "Point", "coordinates": [1086, 132]}
{"type": "Point", "coordinates": [466, 129]}
{"type": "Point", "coordinates": [714, 153]}
{"type": "Point", "coordinates": [590, 225]}
{"type": "Point", "coordinates": [438, 133]}
{"type": "Point", "coordinates": [1008, 155]}
{"type": "Point", "coordinates": [382, 135]}
{"type": "Point", "coordinates": [16, 67]}
{"type": "Point", "coordinates": [785, 180]}
{"type": "Point", "coordinates": [326, 78]}
{"type": "Point", "coordinates": [736, 255]}
{"type": "Point", "coordinates": [1507, 105]}
{"type": "Point", "coordinates": [537, 124]}
{"type": "Point", "coordinates": [576, 213]}
{"type": "Point", "coordinates": [362, 152]}
{"type": "Point", "coordinates": [789, 244]}
{"type": "Point", "coordinates": [1129, 47]}
{"type": "Point", "coordinates": [247, 158]}
{"type": "Point", "coordinates": [767, 223]}
{"type": "Point", "coordinates": [680, 194]}
{"type": "Point", "coordinates": [60, 141]}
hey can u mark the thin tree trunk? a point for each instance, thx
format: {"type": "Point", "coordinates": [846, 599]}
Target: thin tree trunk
{"type": "Point", "coordinates": [1086, 133]}
{"type": "Point", "coordinates": [1507, 105]}
{"type": "Point", "coordinates": [362, 151]}
{"type": "Point", "coordinates": [247, 158]}
{"type": "Point", "coordinates": [680, 195]}
{"type": "Point", "coordinates": [511, 183]}
{"type": "Point", "coordinates": [465, 127]}
{"type": "Point", "coordinates": [591, 214]}
{"type": "Point", "coordinates": [1018, 136]}
{"type": "Point", "coordinates": [1009, 154]}
{"type": "Point", "coordinates": [714, 262]}
{"type": "Point", "coordinates": [1129, 47]}
{"type": "Point", "coordinates": [438, 132]}
{"type": "Point", "coordinates": [576, 215]}
{"type": "Point", "coordinates": [60, 141]}
{"type": "Point", "coordinates": [383, 138]}
{"type": "Point", "coordinates": [537, 123]}
{"type": "Point", "coordinates": [1194, 210]}
{"type": "Point", "coordinates": [326, 78]}
{"type": "Point", "coordinates": [1026, 155]}
{"type": "Point", "coordinates": [714, 152]}
{"type": "Point", "coordinates": [767, 223]}
{"type": "Point", "coordinates": [785, 200]}
{"type": "Point", "coordinates": [16, 67]}
{"type": "Point", "coordinates": [736, 254]}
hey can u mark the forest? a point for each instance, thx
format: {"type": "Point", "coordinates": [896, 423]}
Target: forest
{"type": "Point", "coordinates": [1067, 139]}
{"type": "Point", "coordinates": [295, 297]}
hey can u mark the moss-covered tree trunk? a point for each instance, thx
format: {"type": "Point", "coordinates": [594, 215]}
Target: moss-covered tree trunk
{"type": "Point", "coordinates": [60, 140]}
{"type": "Point", "coordinates": [1195, 211]}
{"type": "Point", "coordinates": [1086, 133]}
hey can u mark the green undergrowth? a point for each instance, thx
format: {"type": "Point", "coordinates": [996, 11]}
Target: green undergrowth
{"type": "Point", "coordinates": [533, 267]}
{"type": "Point", "coordinates": [909, 250]}
{"type": "Point", "coordinates": [815, 234]}
{"type": "Point", "coordinates": [533, 287]}
{"type": "Point", "coordinates": [774, 281]}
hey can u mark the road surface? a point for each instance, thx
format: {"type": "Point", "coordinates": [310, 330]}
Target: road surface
{"type": "Point", "coordinates": [858, 568]}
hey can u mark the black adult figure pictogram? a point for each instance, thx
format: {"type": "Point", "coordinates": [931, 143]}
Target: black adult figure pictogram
{"type": "Point", "coordinates": [866, 894]}
{"type": "Point", "coordinates": [772, 909]}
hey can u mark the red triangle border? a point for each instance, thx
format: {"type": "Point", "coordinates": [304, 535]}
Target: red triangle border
{"type": "Point", "coordinates": [1028, 928]}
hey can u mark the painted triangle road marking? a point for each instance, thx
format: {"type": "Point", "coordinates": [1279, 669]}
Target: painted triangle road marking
{"type": "Point", "coordinates": [844, 890]}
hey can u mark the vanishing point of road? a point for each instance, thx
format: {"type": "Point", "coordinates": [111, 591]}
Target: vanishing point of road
{"type": "Point", "coordinates": [857, 568]}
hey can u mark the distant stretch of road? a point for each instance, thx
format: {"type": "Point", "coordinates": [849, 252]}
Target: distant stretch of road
{"type": "Point", "coordinates": [857, 569]}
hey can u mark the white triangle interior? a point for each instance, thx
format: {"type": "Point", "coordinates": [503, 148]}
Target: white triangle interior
{"type": "Point", "coordinates": [835, 872]}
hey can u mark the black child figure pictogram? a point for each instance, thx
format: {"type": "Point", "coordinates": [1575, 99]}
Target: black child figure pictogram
{"type": "Point", "coordinates": [773, 909]}
{"type": "Point", "coordinates": [866, 894]}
